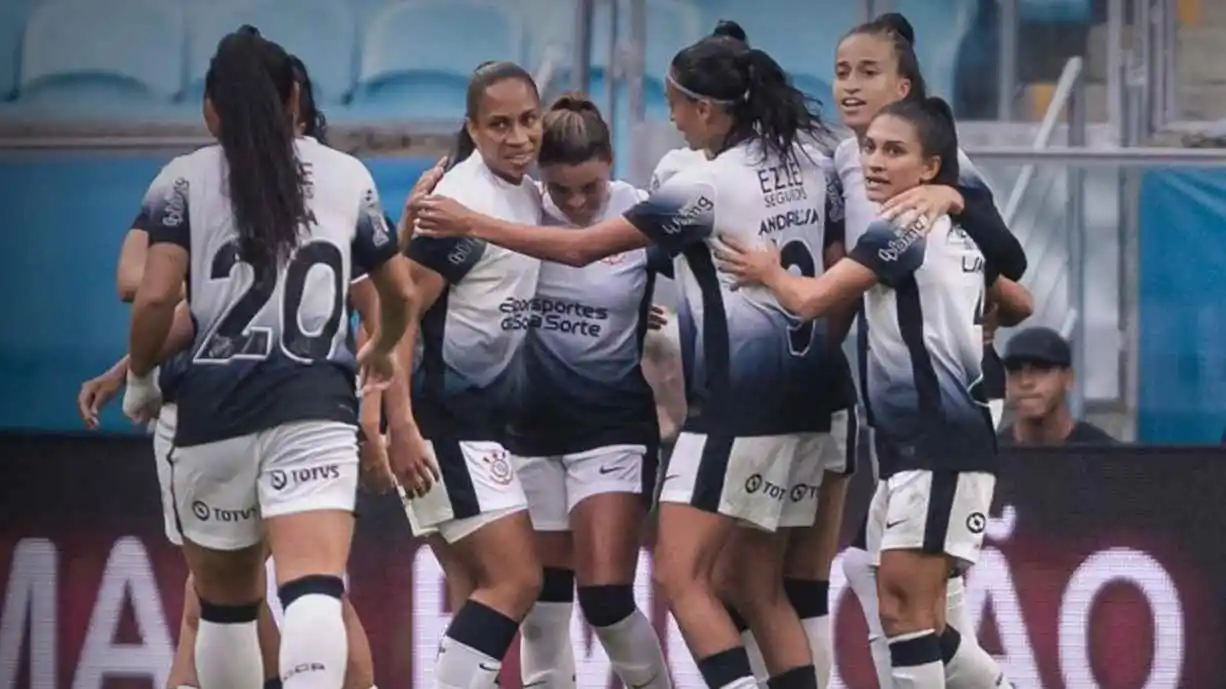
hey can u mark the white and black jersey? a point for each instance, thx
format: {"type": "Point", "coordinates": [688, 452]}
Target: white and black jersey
{"type": "Point", "coordinates": [751, 368]}
{"type": "Point", "coordinates": [924, 353]}
{"type": "Point", "coordinates": [271, 344]}
{"type": "Point", "coordinates": [584, 386]}
{"type": "Point", "coordinates": [470, 371]}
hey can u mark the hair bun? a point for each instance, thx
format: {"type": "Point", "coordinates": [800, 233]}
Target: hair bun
{"type": "Point", "coordinates": [896, 22]}
{"type": "Point", "coordinates": [939, 106]}
{"type": "Point", "coordinates": [575, 101]}
{"type": "Point", "coordinates": [729, 28]}
{"type": "Point", "coordinates": [248, 30]}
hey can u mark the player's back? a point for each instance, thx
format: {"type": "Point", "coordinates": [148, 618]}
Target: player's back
{"type": "Point", "coordinates": [925, 349]}
{"type": "Point", "coordinates": [764, 369]}
{"type": "Point", "coordinates": [271, 342]}
{"type": "Point", "coordinates": [472, 334]}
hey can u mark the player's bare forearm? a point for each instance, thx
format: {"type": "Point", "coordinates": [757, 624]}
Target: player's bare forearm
{"type": "Point", "coordinates": [372, 405]}
{"type": "Point", "coordinates": [1014, 302]}
{"type": "Point", "coordinates": [182, 332]}
{"type": "Point", "coordinates": [799, 295]}
{"type": "Point", "coordinates": [152, 321]}
{"type": "Point", "coordinates": [397, 398]}
{"type": "Point", "coordinates": [571, 247]}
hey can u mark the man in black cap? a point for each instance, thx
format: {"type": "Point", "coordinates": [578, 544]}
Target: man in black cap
{"type": "Point", "coordinates": [1039, 377]}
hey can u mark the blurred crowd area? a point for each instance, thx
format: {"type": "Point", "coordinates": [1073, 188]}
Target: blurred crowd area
{"type": "Point", "coordinates": [1125, 253]}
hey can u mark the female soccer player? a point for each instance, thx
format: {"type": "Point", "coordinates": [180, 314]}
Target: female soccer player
{"type": "Point", "coordinates": [750, 369]}
{"type": "Point", "coordinates": [815, 516]}
{"type": "Point", "coordinates": [586, 428]}
{"type": "Point", "coordinates": [924, 294]}
{"type": "Point", "coordinates": [875, 66]}
{"type": "Point", "coordinates": [475, 312]}
{"type": "Point", "coordinates": [277, 457]}
{"type": "Point", "coordinates": [97, 392]}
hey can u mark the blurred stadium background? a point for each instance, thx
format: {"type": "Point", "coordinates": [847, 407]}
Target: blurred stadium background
{"type": "Point", "coordinates": [1081, 111]}
{"type": "Point", "coordinates": [1100, 124]}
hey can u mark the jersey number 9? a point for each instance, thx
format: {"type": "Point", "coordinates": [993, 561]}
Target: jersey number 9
{"type": "Point", "coordinates": [795, 254]}
{"type": "Point", "coordinates": [234, 336]}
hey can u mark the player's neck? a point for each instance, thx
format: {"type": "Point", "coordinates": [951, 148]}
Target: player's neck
{"type": "Point", "coordinates": [1050, 430]}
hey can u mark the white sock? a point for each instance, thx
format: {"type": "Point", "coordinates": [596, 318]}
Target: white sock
{"type": "Point", "coordinates": [460, 666]}
{"type": "Point", "coordinates": [227, 653]}
{"type": "Point", "coordinates": [821, 646]}
{"type": "Point", "coordinates": [314, 643]}
{"type": "Point", "coordinates": [955, 608]}
{"type": "Point", "coordinates": [546, 654]}
{"type": "Point", "coordinates": [756, 662]}
{"type": "Point", "coordinates": [862, 578]}
{"type": "Point", "coordinates": [967, 665]}
{"type": "Point", "coordinates": [634, 652]}
{"type": "Point", "coordinates": [916, 661]}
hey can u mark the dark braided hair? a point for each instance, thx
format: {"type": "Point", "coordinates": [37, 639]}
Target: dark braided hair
{"type": "Point", "coordinates": [250, 84]}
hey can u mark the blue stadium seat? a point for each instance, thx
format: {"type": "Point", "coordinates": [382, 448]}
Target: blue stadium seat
{"type": "Point", "coordinates": [418, 55]}
{"type": "Point", "coordinates": [85, 58]}
{"type": "Point", "coordinates": [939, 26]}
{"type": "Point", "coordinates": [802, 36]}
{"type": "Point", "coordinates": [1056, 11]}
{"type": "Point", "coordinates": [321, 32]}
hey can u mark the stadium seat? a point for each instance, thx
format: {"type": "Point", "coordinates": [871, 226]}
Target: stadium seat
{"type": "Point", "coordinates": [321, 32]}
{"type": "Point", "coordinates": [1056, 11]}
{"type": "Point", "coordinates": [84, 58]}
{"type": "Point", "coordinates": [418, 55]}
{"type": "Point", "coordinates": [940, 26]}
{"type": "Point", "coordinates": [801, 36]}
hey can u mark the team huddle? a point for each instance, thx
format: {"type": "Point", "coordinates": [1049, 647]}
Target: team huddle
{"type": "Point", "coordinates": [493, 374]}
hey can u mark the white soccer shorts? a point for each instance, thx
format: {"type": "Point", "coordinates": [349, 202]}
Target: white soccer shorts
{"type": "Point", "coordinates": [163, 441]}
{"type": "Point", "coordinates": [817, 454]}
{"type": "Point", "coordinates": [933, 512]}
{"type": "Point", "coordinates": [554, 485]}
{"type": "Point", "coordinates": [743, 478]}
{"type": "Point", "coordinates": [478, 486]}
{"type": "Point", "coordinates": [223, 490]}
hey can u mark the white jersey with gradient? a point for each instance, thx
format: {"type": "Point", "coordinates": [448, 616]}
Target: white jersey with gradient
{"type": "Point", "coordinates": [673, 162]}
{"type": "Point", "coordinates": [272, 344]}
{"type": "Point", "coordinates": [858, 210]}
{"type": "Point", "coordinates": [751, 368]}
{"type": "Point", "coordinates": [469, 374]}
{"type": "Point", "coordinates": [584, 386]}
{"type": "Point", "coordinates": [925, 348]}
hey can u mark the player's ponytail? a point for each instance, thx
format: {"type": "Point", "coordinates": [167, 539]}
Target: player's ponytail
{"type": "Point", "coordinates": [573, 133]}
{"type": "Point", "coordinates": [754, 89]}
{"type": "Point", "coordinates": [250, 88]}
{"type": "Point", "coordinates": [934, 123]}
{"type": "Point", "coordinates": [484, 76]}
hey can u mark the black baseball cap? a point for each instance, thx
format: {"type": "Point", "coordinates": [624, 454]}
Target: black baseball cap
{"type": "Point", "coordinates": [1042, 346]}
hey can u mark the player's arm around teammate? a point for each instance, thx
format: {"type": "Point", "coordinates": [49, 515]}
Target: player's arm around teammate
{"type": "Point", "coordinates": [727, 99]}
{"type": "Point", "coordinates": [473, 319]}
{"type": "Point", "coordinates": [908, 143]}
